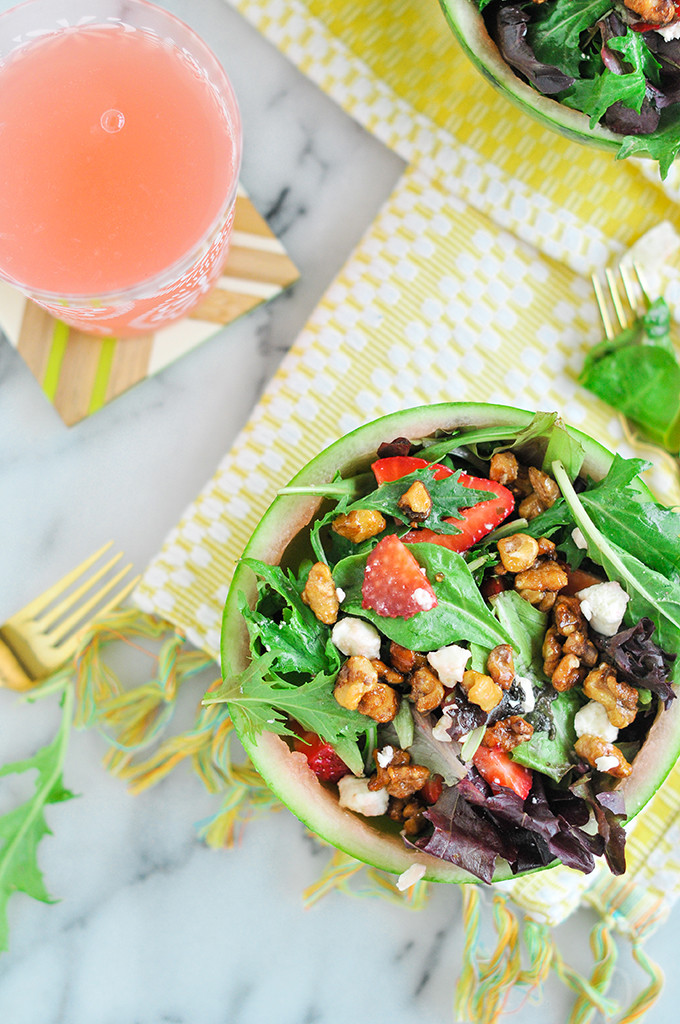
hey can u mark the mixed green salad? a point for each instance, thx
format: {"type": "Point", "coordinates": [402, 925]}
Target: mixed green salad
{"type": "Point", "coordinates": [471, 643]}
{"type": "Point", "coordinates": [618, 62]}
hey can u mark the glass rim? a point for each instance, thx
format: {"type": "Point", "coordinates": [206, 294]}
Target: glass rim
{"type": "Point", "coordinates": [150, 286]}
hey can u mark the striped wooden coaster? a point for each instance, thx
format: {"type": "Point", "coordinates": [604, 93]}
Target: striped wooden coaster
{"type": "Point", "coordinates": [80, 373]}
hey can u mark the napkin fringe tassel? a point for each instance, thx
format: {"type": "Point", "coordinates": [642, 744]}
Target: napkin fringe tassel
{"type": "Point", "coordinates": [525, 952]}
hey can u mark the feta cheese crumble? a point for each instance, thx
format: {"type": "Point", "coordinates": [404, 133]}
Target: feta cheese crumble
{"type": "Point", "coordinates": [449, 663]}
{"type": "Point", "coordinates": [592, 720]}
{"type": "Point", "coordinates": [604, 605]}
{"type": "Point", "coordinates": [439, 732]}
{"type": "Point", "coordinates": [529, 702]}
{"type": "Point", "coordinates": [385, 756]}
{"type": "Point", "coordinates": [340, 594]}
{"type": "Point", "coordinates": [578, 539]}
{"type": "Point", "coordinates": [356, 637]}
{"type": "Point", "coordinates": [424, 599]}
{"type": "Point", "coordinates": [605, 762]}
{"type": "Point", "coordinates": [356, 796]}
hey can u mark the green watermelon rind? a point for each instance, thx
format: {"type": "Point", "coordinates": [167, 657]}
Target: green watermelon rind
{"type": "Point", "coordinates": [467, 24]}
{"type": "Point", "coordinates": [286, 772]}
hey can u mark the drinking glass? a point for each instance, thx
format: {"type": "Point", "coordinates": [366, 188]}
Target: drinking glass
{"type": "Point", "coordinates": [120, 147]}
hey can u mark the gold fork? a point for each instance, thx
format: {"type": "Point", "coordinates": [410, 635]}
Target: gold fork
{"type": "Point", "coordinates": [625, 305]}
{"type": "Point", "coordinates": [44, 634]}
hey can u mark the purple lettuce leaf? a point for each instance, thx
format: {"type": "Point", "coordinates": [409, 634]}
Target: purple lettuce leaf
{"type": "Point", "coordinates": [609, 810]}
{"type": "Point", "coordinates": [511, 30]}
{"type": "Point", "coordinates": [638, 659]}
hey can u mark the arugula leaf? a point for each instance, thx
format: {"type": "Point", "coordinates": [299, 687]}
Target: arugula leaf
{"type": "Point", "coordinates": [662, 144]}
{"type": "Point", "coordinates": [554, 33]}
{"type": "Point", "coordinates": [551, 752]}
{"type": "Point", "coordinates": [460, 613]}
{"type": "Point", "coordinates": [644, 529]}
{"type": "Point", "coordinates": [22, 828]}
{"type": "Point", "coordinates": [265, 704]}
{"type": "Point", "coordinates": [448, 495]}
{"type": "Point", "coordinates": [637, 373]}
{"type": "Point", "coordinates": [299, 642]}
{"type": "Point", "coordinates": [594, 96]}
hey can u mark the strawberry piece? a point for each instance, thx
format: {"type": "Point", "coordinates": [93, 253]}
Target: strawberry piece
{"type": "Point", "coordinates": [432, 789]}
{"type": "Point", "coordinates": [494, 765]}
{"type": "Point", "coordinates": [321, 757]}
{"type": "Point", "coordinates": [394, 584]}
{"type": "Point", "coordinates": [396, 466]}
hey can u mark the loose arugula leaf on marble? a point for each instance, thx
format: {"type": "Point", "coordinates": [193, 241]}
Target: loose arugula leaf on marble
{"type": "Point", "coordinates": [23, 827]}
{"type": "Point", "coordinates": [266, 702]}
{"type": "Point", "coordinates": [300, 642]}
{"type": "Point", "coordinates": [460, 613]}
{"type": "Point", "coordinates": [447, 495]}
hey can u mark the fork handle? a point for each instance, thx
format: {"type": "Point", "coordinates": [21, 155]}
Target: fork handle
{"type": "Point", "coordinates": [12, 674]}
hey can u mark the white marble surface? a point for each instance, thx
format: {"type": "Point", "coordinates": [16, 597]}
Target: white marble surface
{"type": "Point", "coordinates": [152, 927]}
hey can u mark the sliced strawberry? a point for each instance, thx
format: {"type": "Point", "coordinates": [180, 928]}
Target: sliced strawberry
{"type": "Point", "coordinates": [321, 757]}
{"type": "Point", "coordinates": [396, 466]}
{"type": "Point", "coordinates": [394, 584]}
{"type": "Point", "coordinates": [432, 789]}
{"type": "Point", "coordinates": [477, 521]}
{"type": "Point", "coordinates": [494, 765]}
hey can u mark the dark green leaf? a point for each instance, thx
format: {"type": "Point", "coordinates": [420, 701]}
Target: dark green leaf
{"type": "Point", "coordinates": [555, 29]}
{"type": "Point", "coordinates": [460, 614]}
{"type": "Point", "coordinates": [662, 144]}
{"type": "Point", "coordinates": [526, 627]}
{"type": "Point", "coordinates": [551, 751]}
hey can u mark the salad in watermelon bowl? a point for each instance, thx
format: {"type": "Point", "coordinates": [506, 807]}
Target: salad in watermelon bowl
{"type": "Point", "coordinates": [450, 646]}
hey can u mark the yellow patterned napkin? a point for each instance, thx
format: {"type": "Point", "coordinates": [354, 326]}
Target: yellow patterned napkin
{"type": "Point", "coordinates": [469, 285]}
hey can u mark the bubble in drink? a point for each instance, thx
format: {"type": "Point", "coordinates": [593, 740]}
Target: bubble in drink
{"type": "Point", "coordinates": [112, 121]}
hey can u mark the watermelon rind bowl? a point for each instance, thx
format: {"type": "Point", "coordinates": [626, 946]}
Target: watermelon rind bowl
{"type": "Point", "coordinates": [469, 28]}
{"type": "Point", "coordinates": [286, 772]}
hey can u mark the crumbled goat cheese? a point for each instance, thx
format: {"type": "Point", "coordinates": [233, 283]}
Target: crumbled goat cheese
{"type": "Point", "coordinates": [607, 761]}
{"type": "Point", "coordinates": [424, 598]}
{"type": "Point", "coordinates": [578, 539]}
{"type": "Point", "coordinates": [356, 637]}
{"type": "Point", "coordinates": [669, 32]}
{"type": "Point", "coordinates": [592, 720]}
{"type": "Point", "coordinates": [410, 876]}
{"type": "Point", "coordinates": [449, 663]}
{"type": "Point", "coordinates": [356, 796]}
{"type": "Point", "coordinates": [604, 605]}
{"type": "Point", "coordinates": [340, 594]}
{"type": "Point", "coordinates": [529, 702]}
{"type": "Point", "coordinates": [384, 756]}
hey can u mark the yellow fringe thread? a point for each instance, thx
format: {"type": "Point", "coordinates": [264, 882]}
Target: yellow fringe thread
{"type": "Point", "coordinates": [649, 996]}
{"type": "Point", "coordinates": [468, 979]}
{"type": "Point", "coordinates": [605, 953]}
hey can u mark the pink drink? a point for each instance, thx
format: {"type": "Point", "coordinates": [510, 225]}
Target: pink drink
{"type": "Point", "coordinates": [118, 172]}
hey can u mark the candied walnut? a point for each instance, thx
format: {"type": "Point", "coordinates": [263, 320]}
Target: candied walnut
{"type": "Point", "coordinates": [654, 12]}
{"type": "Point", "coordinates": [501, 666]}
{"type": "Point", "coordinates": [585, 650]}
{"type": "Point", "coordinates": [416, 502]}
{"type": "Point", "coordinates": [546, 548]}
{"type": "Point", "coordinates": [544, 486]}
{"type": "Point", "coordinates": [410, 812]}
{"type": "Point", "coordinates": [427, 692]}
{"type": "Point", "coordinates": [548, 576]}
{"type": "Point", "coordinates": [521, 487]}
{"type": "Point", "coordinates": [618, 698]}
{"type": "Point", "coordinates": [400, 778]}
{"type": "Point", "coordinates": [603, 756]}
{"type": "Point", "coordinates": [503, 468]}
{"type": "Point", "coordinates": [320, 594]}
{"type": "Point", "coordinates": [552, 651]}
{"type": "Point", "coordinates": [508, 733]}
{"type": "Point", "coordinates": [541, 600]}
{"type": "Point", "coordinates": [387, 674]}
{"type": "Point", "coordinates": [380, 703]}
{"type": "Point", "coordinates": [518, 551]}
{"type": "Point", "coordinates": [359, 525]}
{"type": "Point", "coordinates": [531, 506]}
{"type": "Point", "coordinates": [356, 677]}
{"type": "Point", "coordinates": [568, 616]}
{"type": "Point", "coordinates": [404, 660]}
{"type": "Point", "coordinates": [567, 674]}
{"type": "Point", "coordinates": [481, 690]}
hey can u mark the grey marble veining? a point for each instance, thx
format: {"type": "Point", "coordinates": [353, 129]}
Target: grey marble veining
{"type": "Point", "coordinates": [152, 927]}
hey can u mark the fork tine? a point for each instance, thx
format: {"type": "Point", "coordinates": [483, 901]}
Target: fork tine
{"type": "Point", "coordinates": [68, 646]}
{"type": "Point", "coordinates": [60, 609]}
{"type": "Point", "coordinates": [65, 627]}
{"type": "Point", "coordinates": [602, 306]}
{"type": "Point", "coordinates": [52, 593]}
{"type": "Point", "coordinates": [616, 298]}
{"type": "Point", "coordinates": [643, 285]}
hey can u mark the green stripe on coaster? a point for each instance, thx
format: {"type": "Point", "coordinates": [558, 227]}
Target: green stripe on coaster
{"type": "Point", "coordinates": [54, 360]}
{"type": "Point", "coordinates": [101, 380]}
